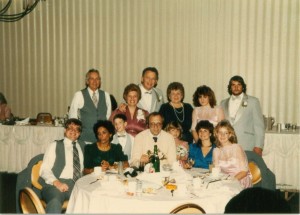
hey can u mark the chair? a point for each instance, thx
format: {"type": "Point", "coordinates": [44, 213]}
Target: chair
{"type": "Point", "coordinates": [188, 208]}
{"type": "Point", "coordinates": [30, 202]}
{"type": "Point", "coordinates": [44, 118]}
{"type": "Point", "coordinates": [35, 182]}
{"type": "Point", "coordinates": [255, 172]}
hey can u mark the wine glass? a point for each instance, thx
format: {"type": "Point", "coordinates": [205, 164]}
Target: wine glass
{"type": "Point", "coordinates": [191, 162]}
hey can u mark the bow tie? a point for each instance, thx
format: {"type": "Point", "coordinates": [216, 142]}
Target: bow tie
{"type": "Point", "coordinates": [148, 92]}
{"type": "Point", "coordinates": [122, 135]}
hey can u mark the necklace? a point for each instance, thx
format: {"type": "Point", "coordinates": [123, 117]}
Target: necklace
{"type": "Point", "coordinates": [103, 147]}
{"type": "Point", "coordinates": [176, 112]}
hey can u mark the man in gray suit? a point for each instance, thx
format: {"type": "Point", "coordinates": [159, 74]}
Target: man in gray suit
{"type": "Point", "coordinates": [244, 113]}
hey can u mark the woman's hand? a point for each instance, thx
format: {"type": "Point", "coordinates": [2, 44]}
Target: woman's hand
{"type": "Point", "coordinates": [104, 165]}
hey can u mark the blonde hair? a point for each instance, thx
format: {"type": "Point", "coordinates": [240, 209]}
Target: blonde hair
{"type": "Point", "coordinates": [225, 124]}
{"type": "Point", "coordinates": [174, 125]}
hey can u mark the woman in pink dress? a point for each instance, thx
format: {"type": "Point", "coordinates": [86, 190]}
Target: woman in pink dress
{"type": "Point", "coordinates": [205, 108]}
{"type": "Point", "coordinates": [229, 155]}
{"type": "Point", "coordinates": [136, 117]}
{"type": "Point", "coordinates": [182, 147]}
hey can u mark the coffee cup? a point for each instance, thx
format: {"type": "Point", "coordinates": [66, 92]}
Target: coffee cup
{"type": "Point", "coordinates": [97, 170]}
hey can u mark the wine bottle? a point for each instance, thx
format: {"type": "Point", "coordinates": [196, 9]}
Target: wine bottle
{"type": "Point", "coordinates": [156, 161]}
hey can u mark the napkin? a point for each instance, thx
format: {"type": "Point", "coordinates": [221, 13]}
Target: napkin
{"type": "Point", "coordinates": [23, 122]}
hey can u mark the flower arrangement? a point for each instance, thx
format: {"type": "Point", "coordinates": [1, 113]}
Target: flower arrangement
{"type": "Point", "coordinates": [140, 115]}
{"type": "Point", "coordinates": [161, 155]}
{"type": "Point", "coordinates": [244, 103]}
{"type": "Point", "coordinates": [181, 151]}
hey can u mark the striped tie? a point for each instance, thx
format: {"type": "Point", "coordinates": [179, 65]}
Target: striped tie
{"type": "Point", "coordinates": [95, 100]}
{"type": "Point", "coordinates": [76, 163]}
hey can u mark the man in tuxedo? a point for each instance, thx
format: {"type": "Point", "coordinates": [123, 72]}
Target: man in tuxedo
{"type": "Point", "coordinates": [90, 105]}
{"type": "Point", "coordinates": [244, 113]}
{"type": "Point", "coordinates": [152, 97]}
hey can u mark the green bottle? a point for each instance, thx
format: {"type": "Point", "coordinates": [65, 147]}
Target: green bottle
{"type": "Point", "coordinates": [156, 161]}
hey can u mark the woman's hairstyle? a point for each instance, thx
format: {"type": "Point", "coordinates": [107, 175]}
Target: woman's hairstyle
{"type": "Point", "coordinates": [105, 124]}
{"type": "Point", "coordinates": [238, 79]}
{"type": "Point", "coordinates": [132, 87]}
{"type": "Point", "coordinates": [2, 99]}
{"type": "Point", "coordinates": [204, 91]}
{"type": "Point", "coordinates": [75, 122]}
{"type": "Point", "coordinates": [175, 86]}
{"type": "Point", "coordinates": [225, 124]}
{"type": "Point", "coordinates": [205, 124]}
{"type": "Point", "coordinates": [174, 125]}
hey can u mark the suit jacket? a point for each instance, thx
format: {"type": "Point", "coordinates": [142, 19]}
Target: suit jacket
{"type": "Point", "coordinates": [248, 123]}
{"type": "Point", "coordinates": [157, 100]}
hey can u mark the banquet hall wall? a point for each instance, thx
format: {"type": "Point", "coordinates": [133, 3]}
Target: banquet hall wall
{"type": "Point", "coordinates": [44, 56]}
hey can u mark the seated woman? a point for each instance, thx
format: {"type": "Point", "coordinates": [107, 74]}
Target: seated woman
{"type": "Point", "coordinates": [202, 151]}
{"type": "Point", "coordinates": [5, 112]}
{"type": "Point", "coordinates": [102, 153]}
{"type": "Point", "coordinates": [182, 147]}
{"type": "Point", "coordinates": [229, 155]}
{"type": "Point", "coordinates": [136, 117]}
{"type": "Point", "coordinates": [204, 100]}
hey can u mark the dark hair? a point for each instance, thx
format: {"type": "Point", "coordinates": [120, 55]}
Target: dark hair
{"type": "Point", "coordinates": [75, 122]}
{"type": "Point", "coordinates": [87, 76]}
{"type": "Point", "coordinates": [132, 87]}
{"type": "Point", "coordinates": [238, 79]}
{"type": "Point", "coordinates": [152, 69]}
{"type": "Point", "coordinates": [152, 115]}
{"type": "Point", "coordinates": [205, 124]}
{"type": "Point", "coordinates": [175, 86]}
{"type": "Point", "coordinates": [225, 123]}
{"type": "Point", "coordinates": [106, 124]}
{"type": "Point", "coordinates": [205, 91]}
{"type": "Point", "coordinates": [2, 99]}
{"type": "Point", "coordinates": [257, 200]}
{"type": "Point", "coordinates": [120, 116]}
{"type": "Point", "coordinates": [114, 103]}
{"type": "Point", "coordinates": [174, 125]}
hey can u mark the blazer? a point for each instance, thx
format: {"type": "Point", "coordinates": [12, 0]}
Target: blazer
{"type": "Point", "coordinates": [248, 123]}
{"type": "Point", "coordinates": [157, 100]}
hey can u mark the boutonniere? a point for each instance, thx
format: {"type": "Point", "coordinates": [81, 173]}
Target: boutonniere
{"type": "Point", "coordinates": [140, 115]}
{"type": "Point", "coordinates": [245, 103]}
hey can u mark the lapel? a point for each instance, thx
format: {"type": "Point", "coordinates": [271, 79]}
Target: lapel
{"type": "Point", "coordinates": [127, 149]}
{"type": "Point", "coordinates": [241, 109]}
{"type": "Point", "coordinates": [115, 139]}
{"type": "Point", "coordinates": [154, 100]}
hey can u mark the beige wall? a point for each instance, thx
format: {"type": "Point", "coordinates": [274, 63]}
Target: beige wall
{"type": "Point", "coordinates": [45, 56]}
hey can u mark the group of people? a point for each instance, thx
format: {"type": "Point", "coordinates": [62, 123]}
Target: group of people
{"type": "Point", "coordinates": [207, 133]}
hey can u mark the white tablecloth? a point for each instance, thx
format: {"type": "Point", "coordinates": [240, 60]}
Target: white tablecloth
{"type": "Point", "coordinates": [103, 198]}
{"type": "Point", "coordinates": [18, 144]}
{"type": "Point", "coordinates": [281, 154]}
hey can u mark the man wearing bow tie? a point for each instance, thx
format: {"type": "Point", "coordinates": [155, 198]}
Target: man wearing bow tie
{"type": "Point", "coordinates": [244, 113]}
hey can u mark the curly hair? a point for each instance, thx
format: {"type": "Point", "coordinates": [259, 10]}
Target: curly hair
{"type": "Point", "coordinates": [105, 124]}
{"type": "Point", "coordinates": [175, 86]}
{"type": "Point", "coordinates": [238, 79]}
{"type": "Point", "coordinates": [205, 91]}
{"type": "Point", "coordinates": [205, 124]}
{"type": "Point", "coordinates": [225, 124]}
{"type": "Point", "coordinates": [132, 87]}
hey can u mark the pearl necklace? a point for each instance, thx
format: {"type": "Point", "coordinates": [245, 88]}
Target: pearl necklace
{"type": "Point", "coordinates": [179, 112]}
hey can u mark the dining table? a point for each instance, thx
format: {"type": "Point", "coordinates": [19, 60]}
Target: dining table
{"type": "Point", "coordinates": [20, 143]}
{"type": "Point", "coordinates": [112, 193]}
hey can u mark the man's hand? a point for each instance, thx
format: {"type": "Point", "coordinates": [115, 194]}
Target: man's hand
{"type": "Point", "coordinates": [144, 159]}
{"type": "Point", "coordinates": [122, 107]}
{"type": "Point", "coordinates": [257, 151]}
{"type": "Point", "coordinates": [62, 187]}
{"type": "Point", "coordinates": [104, 165]}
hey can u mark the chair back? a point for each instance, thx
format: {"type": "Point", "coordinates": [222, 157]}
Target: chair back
{"type": "Point", "coordinates": [30, 202]}
{"type": "Point", "coordinates": [255, 172]}
{"type": "Point", "coordinates": [188, 208]}
{"type": "Point", "coordinates": [35, 174]}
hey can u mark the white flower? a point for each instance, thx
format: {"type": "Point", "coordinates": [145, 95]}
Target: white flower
{"type": "Point", "coordinates": [140, 115]}
{"type": "Point", "coordinates": [181, 151]}
{"type": "Point", "coordinates": [245, 103]}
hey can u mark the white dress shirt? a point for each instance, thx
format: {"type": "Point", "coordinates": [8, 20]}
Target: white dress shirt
{"type": "Point", "coordinates": [49, 159]}
{"type": "Point", "coordinates": [78, 103]}
{"type": "Point", "coordinates": [234, 104]}
{"type": "Point", "coordinates": [147, 97]}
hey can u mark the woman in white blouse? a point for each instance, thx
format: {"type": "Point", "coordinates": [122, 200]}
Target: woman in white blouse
{"type": "Point", "coordinates": [204, 100]}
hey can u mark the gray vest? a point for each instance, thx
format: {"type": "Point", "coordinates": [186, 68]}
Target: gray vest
{"type": "Point", "coordinates": [89, 115]}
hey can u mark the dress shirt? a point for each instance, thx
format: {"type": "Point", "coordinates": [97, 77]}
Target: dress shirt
{"type": "Point", "coordinates": [49, 159]}
{"type": "Point", "coordinates": [122, 139]}
{"type": "Point", "coordinates": [78, 102]}
{"type": "Point", "coordinates": [147, 96]}
{"type": "Point", "coordinates": [234, 104]}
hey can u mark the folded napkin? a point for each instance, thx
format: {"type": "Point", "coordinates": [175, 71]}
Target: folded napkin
{"type": "Point", "coordinates": [23, 122]}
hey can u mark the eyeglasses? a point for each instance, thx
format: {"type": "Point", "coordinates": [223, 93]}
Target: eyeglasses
{"type": "Point", "coordinates": [153, 124]}
{"type": "Point", "coordinates": [76, 130]}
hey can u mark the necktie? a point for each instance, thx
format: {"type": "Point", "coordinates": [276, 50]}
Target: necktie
{"type": "Point", "coordinates": [76, 163]}
{"type": "Point", "coordinates": [95, 100]}
{"type": "Point", "coordinates": [155, 139]}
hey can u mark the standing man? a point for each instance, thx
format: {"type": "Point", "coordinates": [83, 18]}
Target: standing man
{"type": "Point", "coordinates": [151, 97]}
{"type": "Point", "coordinates": [244, 113]}
{"type": "Point", "coordinates": [62, 166]}
{"type": "Point", "coordinates": [145, 141]}
{"type": "Point", "coordinates": [90, 105]}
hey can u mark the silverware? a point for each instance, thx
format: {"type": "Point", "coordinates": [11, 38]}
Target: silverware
{"type": "Point", "coordinates": [212, 182]}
